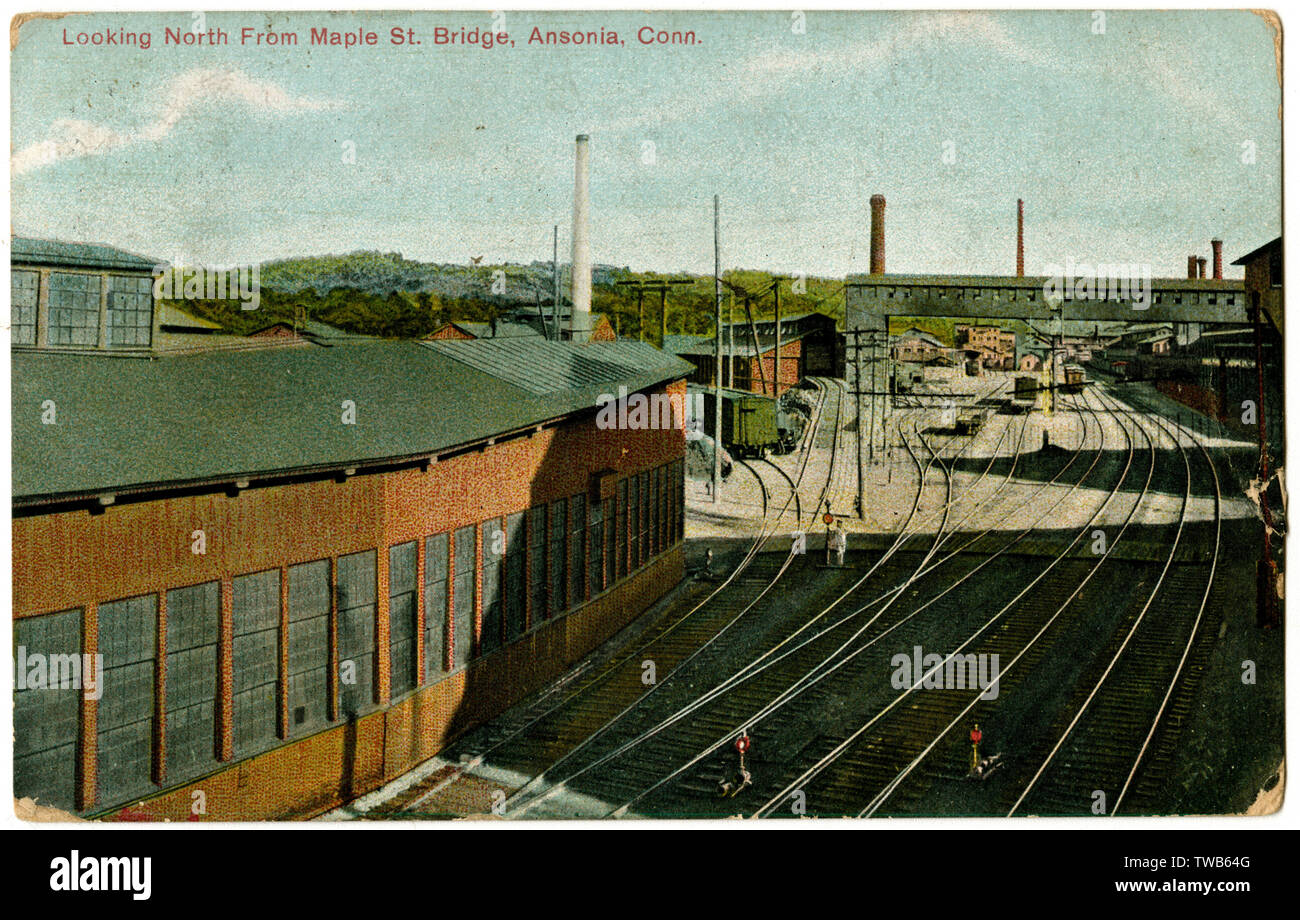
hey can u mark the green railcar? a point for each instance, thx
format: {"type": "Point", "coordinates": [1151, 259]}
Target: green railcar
{"type": "Point", "coordinates": [749, 422]}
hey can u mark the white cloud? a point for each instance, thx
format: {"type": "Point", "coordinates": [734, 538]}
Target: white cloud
{"type": "Point", "coordinates": [929, 32]}
{"type": "Point", "coordinates": [71, 138]}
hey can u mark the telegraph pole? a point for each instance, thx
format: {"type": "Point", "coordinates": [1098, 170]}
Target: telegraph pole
{"type": "Point", "coordinates": [857, 408]}
{"type": "Point", "coordinates": [555, 280]}
{"type": "Point", "coordinates": [731, 341]}
{"type": "Point", "coordinates": [662, 288]}
{"type": "Point", "coordinates": [717, 350]}
{"type": "Point", "coordinates": [776, 365]}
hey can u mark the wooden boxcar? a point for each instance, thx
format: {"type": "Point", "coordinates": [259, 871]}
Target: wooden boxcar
{"type": "Point", "coordinates": [970, 422]}
{"type": "Point", "coordinates": [1026, 390]}
{"type": "Point", "coordinates": [749, 422]}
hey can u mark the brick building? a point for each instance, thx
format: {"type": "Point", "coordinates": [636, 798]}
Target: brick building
{"type": "Point", "coordinates": [995, 346]}
{"type": "Point", "coordinates": [307, 569]}
{"type": "Point", "coordinates": [810, 346]}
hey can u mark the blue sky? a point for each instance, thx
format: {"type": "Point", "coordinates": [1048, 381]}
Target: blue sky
{"type": "Point", "coordinates": [1126, 146]}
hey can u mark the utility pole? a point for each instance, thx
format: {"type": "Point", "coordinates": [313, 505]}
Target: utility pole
{"type": "Point", "coordinates": [555, 279]}
{"type": "Point", "coordinates": [857, 408]}
{"type": "Point", "coordinates": [662, 288]}
{"type": "Point", "coordinates": [758, 354]}
{"type": "Point", "coordinates": [731, 341]}
{"type": "Point", "coordinates": [871, 421]}
{"type": "Point", "coordinates": [717, 350]}
{"type": "Point", "coordinates": [776, 366]}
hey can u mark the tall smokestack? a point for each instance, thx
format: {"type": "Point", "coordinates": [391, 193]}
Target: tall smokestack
{"type": "Point", "coordinates": [1217, 247]}
{"type": "Point", "coordinates": [1191, 266]}
{"type": "Point", "coordinates": [1200, 267]}
{"type": "Point", "coordinates": [877, 234]}
{"type": "Point", "coordinates": [1020, 237]}
{"type": "Point", "coordinates": [580, 291]}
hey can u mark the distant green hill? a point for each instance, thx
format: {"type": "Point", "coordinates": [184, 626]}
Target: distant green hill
{"type": "Point", "coordinates": [385, 294]}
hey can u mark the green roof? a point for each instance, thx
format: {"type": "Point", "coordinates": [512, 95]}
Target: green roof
{"type": "Point", "coordinates": [222, 416]}
{"type": "Point", "coordinates": [76, 255]}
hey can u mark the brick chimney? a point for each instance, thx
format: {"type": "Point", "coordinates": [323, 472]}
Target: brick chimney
{"type": "Point", "coordinates": [877, 234]}
{"type": "Point", "coordinates": [1217, 247]}
{"type": "Point", "coordinates": [1191, 266]}
{"type": "Point", "coordinates": [1020, 237]}
{"type": "Point", "coordinates": [1200, 267]}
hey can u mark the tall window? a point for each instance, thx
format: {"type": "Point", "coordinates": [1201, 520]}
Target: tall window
{"type": "Point", "coordinates": [595, 548]}
{"type": "Point", "coordinates": [24, 289]}
{"type": "Point", "coordinates": [357, 594]}
{"type": "Point", "coordinates": [656, 479]}
{"type": "Point", "coordinates": [555, 556]}
{"type": "Point", "coordinates": [46, 714]}
{"type": "Point", "coordinates": [309, 654]}
{"type": "Point", "coordinates": [435, 607]}
{"type": "Point", "coordinates": [402, 625]}
{"type": "Point", "coordinates": [516, 580]}
{"type": "Point", "coordinates": [124, 724]}
{"type": "Point", "coordinates": [644, 476]}
{"type": "Point", "coordinates": [493, 536]}
{"type": "Point", "coordinates": [462, 628]}
{"type": "Point", "coordinates": [537, 561]}
{"type": "Point", "coordinates": [193, 625]}
{"type": "Point", "coordinates": [611, 543]}
{"type": "Point", "coordinates": [620, 529]}
{"type": "Point", "coordinates": [634, 522]}
{"type": "Point", "coordinates": [130, 310]}
{"type": "Point", "coordinates": [255, 666]}
{"type": "Point", "coordinates": [74, 309]}
{"type": "Point", "coordinates": [577, 551]}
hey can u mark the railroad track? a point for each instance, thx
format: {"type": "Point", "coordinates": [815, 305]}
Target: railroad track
{"type": "Point", "coordinates": [1142, 691]}
{"type": "Point", "coordinates": [878, 756]}
{"type": "Point", "coordinates": [523, 801]}
{"type": "Point", "coordinates": [672, 643]}
{"type": "Point", "coordinates": [754, 690]}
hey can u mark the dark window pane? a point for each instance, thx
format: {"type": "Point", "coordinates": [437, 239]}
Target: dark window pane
{"type": "Point", "coordinates": [577, 550]}
{"type": "Point", "coordinates": [516, 583]}
{"type": "Point", "coordinates": [74, 309]}
{"type": "Point", "coordinates": [24, 289]}
{"type": "Point", "coordinates": [435, 607]}
{"type": "Point", "coordinates": [255, 612]}
{"type": "Point", "coordinates": [402, 625]}
{"type": "Point", "coordinates": [493, 537]}
{"type": "Point", "coordinates": [309, 657]}
{"type": "Point", "coordinates": [47, 707]}
{"type": "Point", "coordinates": [357, 610]}
{"type": "Point", "coordinates": [463, 597]}
{"type": "Point", "coordinates": [555, 554]}
{"type": "Point", "coordinates": [124, 723]}
{"type": "Point", "coordinates": [193, 625]}
{"type": "Point", "coordinates": [537, 561]}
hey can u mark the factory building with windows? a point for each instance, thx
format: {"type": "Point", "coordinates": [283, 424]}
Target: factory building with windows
{"type": "Point", "coordinates": [303, 571]}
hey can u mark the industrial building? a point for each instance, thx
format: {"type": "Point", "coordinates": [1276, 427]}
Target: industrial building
{"type": "Point", "coordinates": [303, 570]}
{"type": "Point", "coordinates": [810, 345]}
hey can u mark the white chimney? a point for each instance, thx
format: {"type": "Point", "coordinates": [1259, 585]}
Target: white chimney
{"type": "Point", "coordinates": [580, 325]}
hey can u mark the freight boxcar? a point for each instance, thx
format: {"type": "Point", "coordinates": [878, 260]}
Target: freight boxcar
{"type": "Point", "coordinates": [970, 422]}
{"type": "Point", "coordinates": [1074, 379]}
{"type": "Point", "coordinates": [749, 422]}
{"type": "Point", "coordinates": [1025, 394]}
